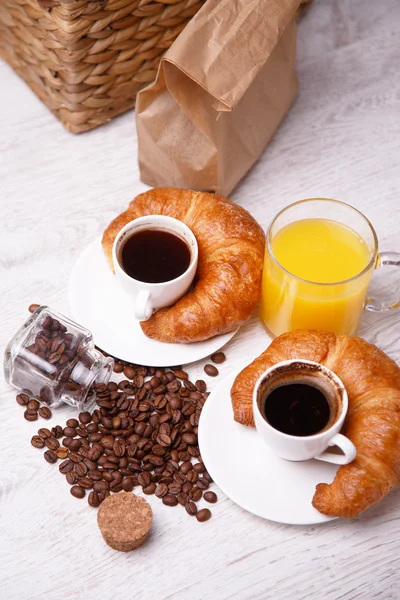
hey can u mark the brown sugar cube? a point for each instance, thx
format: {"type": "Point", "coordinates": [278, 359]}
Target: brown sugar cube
{"type": "Point", "coordinates": [124, 521]}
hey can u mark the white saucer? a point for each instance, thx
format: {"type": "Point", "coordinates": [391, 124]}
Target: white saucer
{"type": "Point", "coordinates": [247, 471]}
{"type": "Point", "coordinates": [98, 303]}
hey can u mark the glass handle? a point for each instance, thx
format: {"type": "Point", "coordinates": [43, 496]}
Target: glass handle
{"type": "Point", "coordinates": [384, 259]}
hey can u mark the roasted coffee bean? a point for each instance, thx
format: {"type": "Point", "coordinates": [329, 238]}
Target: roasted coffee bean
{"type": "Point", "coordinates": [75, 457]}
{"type": "Point", "coordinates": [210, 497]}
{"type": "Point", "coordinates": [218, 357]}
{"type": "Point", "coordinates": [85, 417]}
{"type": "Point", "coordinates": [203, 515]}
{"type": "Point", "coordinates": [85, 482]}
{"type": "Point", "coordinates": [94, 474]}
{"type": "Point", "coordinates": [149, 489]}
{"type": "Point", "coordinates": [72, 423]}
{"type": "Point", "coordinates": [201, 385]}
{"type": "Point", "coordinates": [33, 405]}
{"type": "Point", "coordinates": [129, 372]}
{"type": "Point", "coordinates": [94, 453]}
{"type": "Point", "coordinates": [57, 431]}
{"type": "Point", "coordinates": [174, 488]}
{"type": "Point", "coordinates": [52, 443]}
{"type": "Point", "coordinates": [80, 469]}
{"type": "Point", "coordinates": [190, 438]}
{"type": "Point", "coordinates": [202, 483]}
{"type": "Point", "coordinates": [199, 468]}
{"type": "Point", "coordinates": [208, 477]}
{"type": "Point", "coordinates": [211, 370]}
{"type": "Point", "coordinates": [182, 498]}
{"type": "Point", "coordinates": [169, 500]}
{"type": "Point", "coordinates": [44, 433]}
{"type": "Point", "coordinates": [93, 500]}
{"type": "Point", "coordinates": [77, 491]}
{"type": "Point", "coordinates": [195, 494]}
{"type": "Point", "coordinates": [191, 508]}
{"type": "Point", "coordinates": [119, 448]}
{"type": "Point", "coordinates": [103, 495]}
{"type": "Point", "coordinates": [118, 368]}
{"type": "Point", "coordinates": [45, 412]}
{"type": "Point", "coordinates": [186, 467]}
{"type": "Point", "coordinates": [50, 456]}
{"type": "Point", "coordinates": [161, 490]}
{"type": "Point", "coordinates": [163, 440]}
{"type": "Point", "coordinates": [37, 441]}
{"type": "Point", "coordinates": [71, 477]}
{"type": "Point", "coordinates": [66, 466]}
{"type": "Point", "coordinates": [101, 485]}
{"type": "Point", "coordinates": [192, 476]}
{"type": "Point", "coordinates": [128, 484]}
{"type": "Point", "coordinates": [187, 486]}
{"type": "Point", "coordinates": [144, 479]}
{"type": "Point", "coordinates": [22, 399]}
{"type": "Point", "coordinates": [29, 416]}
{"type": "Point", "coordinates": [69, 431]}
{"type": "Point", "coordinates": [75, 444]}
{"type": "Point", "coordinates": [33, 307]}
{"type": "Point", "coordinates": [62, 453]}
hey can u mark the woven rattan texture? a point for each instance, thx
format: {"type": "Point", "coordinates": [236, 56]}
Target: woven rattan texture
{"type": "Point", "coordinates": [86, 60]}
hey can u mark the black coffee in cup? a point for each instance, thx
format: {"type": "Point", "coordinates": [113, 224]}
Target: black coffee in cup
{"type": "Point", "coordinates": [154, 256]}
{"type": "Point", "coordinates": [298, 409]}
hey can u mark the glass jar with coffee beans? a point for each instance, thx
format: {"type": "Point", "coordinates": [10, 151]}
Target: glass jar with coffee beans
{"type": "Point", "coordinates": [54, 360]}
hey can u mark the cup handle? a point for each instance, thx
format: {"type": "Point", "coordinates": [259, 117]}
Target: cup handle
{"type": "Point", "coordinates": [143, 306]}
{"type": "Point", "coordinates": [384, 259]}
{"type": "Point", "coordinates": [346, 446]}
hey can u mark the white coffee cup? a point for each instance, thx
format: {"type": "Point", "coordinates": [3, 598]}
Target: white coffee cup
{"type": "Point", "coordinates": [149, 297]}
{"type": "Point", "coordinates": [297, 448]}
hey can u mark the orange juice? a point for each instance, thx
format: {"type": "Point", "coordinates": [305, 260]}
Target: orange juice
{"type": "Point", "coordinates": [309, 284]}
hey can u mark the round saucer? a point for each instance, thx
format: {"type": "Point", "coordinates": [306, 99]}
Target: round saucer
{"type": "Point", "coordinates": [247, 471]}
{"type": "Point", "coordinates": [100, 304]}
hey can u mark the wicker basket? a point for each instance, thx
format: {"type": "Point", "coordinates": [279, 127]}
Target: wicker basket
{"type": "Point", "coordinates": [86, 60]}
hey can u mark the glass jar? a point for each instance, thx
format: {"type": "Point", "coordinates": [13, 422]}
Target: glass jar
{"type": "Point", "coordinates": [54, 360]}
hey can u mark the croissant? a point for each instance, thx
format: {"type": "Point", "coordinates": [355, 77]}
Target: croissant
{"type": "Point", "coordinates": [372, 381]}
{"type": "Point", "coordinates": [228, 279]}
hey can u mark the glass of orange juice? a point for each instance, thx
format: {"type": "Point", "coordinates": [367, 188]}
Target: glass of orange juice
{"type": "Point", "coordinates": [319, 259]}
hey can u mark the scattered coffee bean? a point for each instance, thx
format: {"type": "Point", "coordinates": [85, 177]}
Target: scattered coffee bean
{"type": "Point", "coordinates": [61, 453]}
{"type": "Point", "coordinates": [50, 456]}
{"type": "Point", "coordinates": [93, 499]}
{"type": "Point", "coordinates": [52, 443]}
{"type": "Point", "coordinates": [203, 515]}
{"type": "Point", "coordinates": [37, 441]}
{"type": "Point", "coordinates": [210, 497]}
{"type": "Point", "coordinates": [118, 368]}
{"type": "Point", "coordinates": [33, 307]}
{"type": "Point", "coordinates": [77, 491]}
{"type": "Point", "coordinates": [22, 399]}
{"type": "Point", "coordinates": [33, 405]}
{"type": "Point", "coordinates": [30, 416]}
{"type": "Point", "coordinates": [218, 357]}
{"type": "Point", "coordinates": [169, 500]}
{"type": "Point", "coordinates": [211, 370]}
{"type": "Point", "coordinates": [191, 508]}
{"type": "Point", "coordinates": [45, 412]}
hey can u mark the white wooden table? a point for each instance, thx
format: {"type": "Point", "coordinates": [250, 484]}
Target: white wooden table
{"type": "Point", "coordinates": [58, 191]}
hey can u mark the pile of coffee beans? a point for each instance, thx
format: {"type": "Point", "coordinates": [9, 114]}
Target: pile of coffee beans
{"type": "Point", "coordinates": [143, 433]}
{"type": "Point", "coordinates": [33, 410]}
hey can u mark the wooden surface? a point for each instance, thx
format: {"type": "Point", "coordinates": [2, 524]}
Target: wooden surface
{"type": "Point", "coordinates": [58, 192]}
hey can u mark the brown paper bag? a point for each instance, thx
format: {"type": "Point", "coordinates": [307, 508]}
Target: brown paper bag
{"type": "Point", "coordinates": [220, 93]}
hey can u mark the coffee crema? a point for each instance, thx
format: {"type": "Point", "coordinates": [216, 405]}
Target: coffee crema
{"type": "Point", "coordinates": [154, 256]}
{"type": "Point", "coordinates": [298, 409]}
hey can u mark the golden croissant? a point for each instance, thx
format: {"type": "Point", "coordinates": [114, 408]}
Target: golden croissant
{"type": "Point", "coordinates": [231, 254]}
{"type": "Point", "coordinates": [372, 381]}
